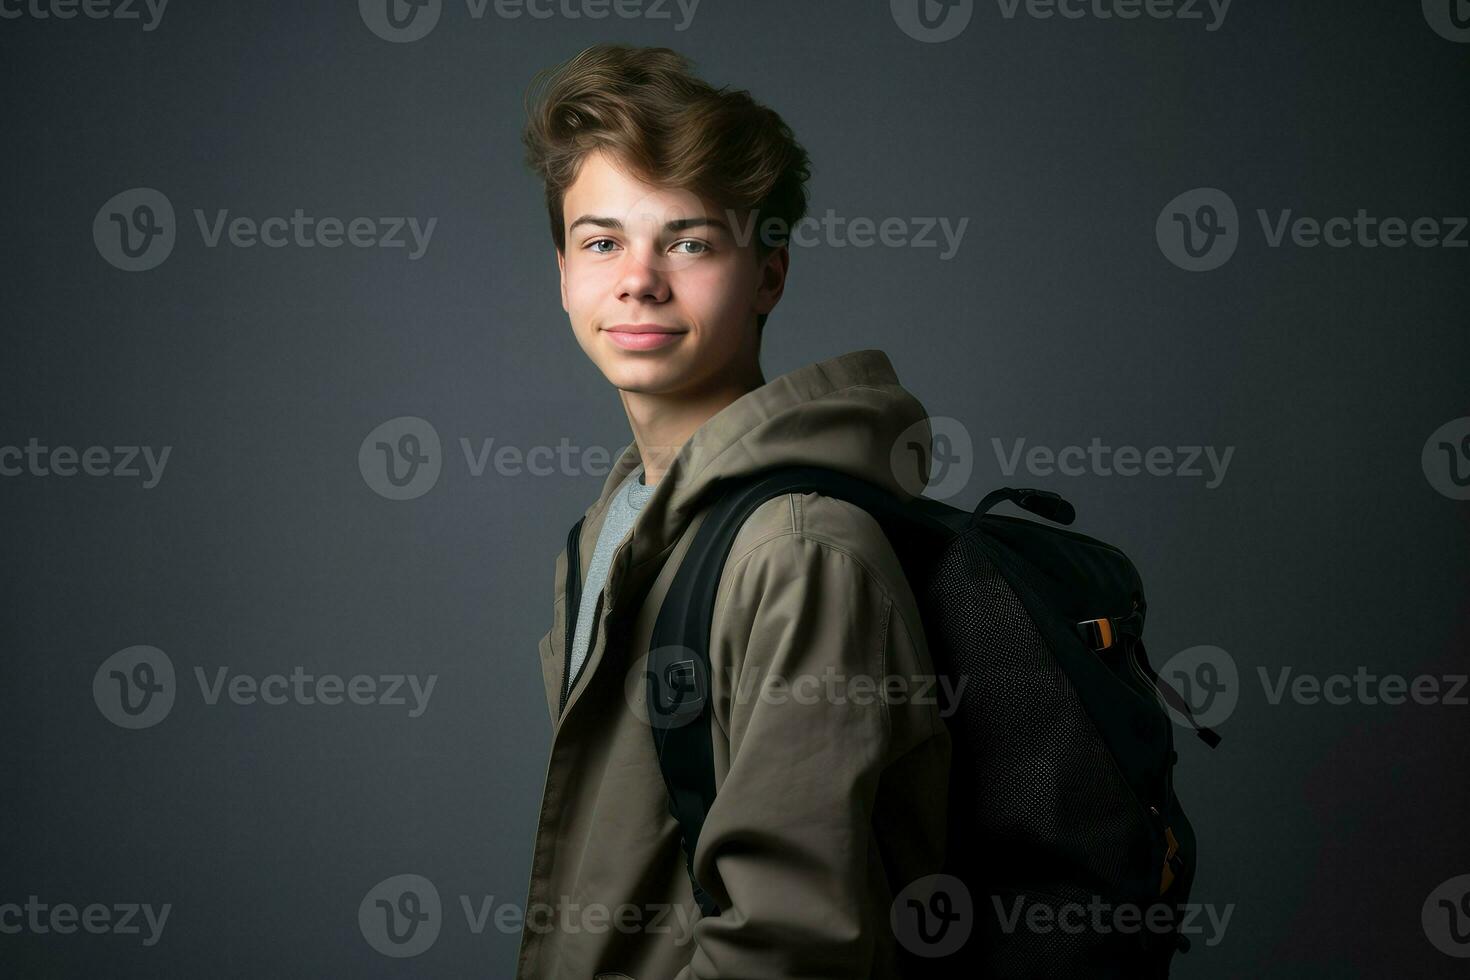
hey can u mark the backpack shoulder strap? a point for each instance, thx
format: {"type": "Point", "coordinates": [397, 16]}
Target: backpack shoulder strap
{"type": "Point", "coordinates": [678, 668]}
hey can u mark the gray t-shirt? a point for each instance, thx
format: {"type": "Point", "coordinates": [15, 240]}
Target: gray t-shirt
{"type": "Point", "coordinates": [627, 501]}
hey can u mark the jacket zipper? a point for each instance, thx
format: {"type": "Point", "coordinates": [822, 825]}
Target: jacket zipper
{"type": "Point", "coordinates": [574, 601]}
{"type": "Point", "coordinates": [592, 636]}
{"type": "Point", "coordinates": [572, 604]}
{"type": "Point", "coordinates": [571, 594]}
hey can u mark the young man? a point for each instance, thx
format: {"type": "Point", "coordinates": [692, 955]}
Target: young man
{"type": "Point", "coordinates": [831, 796]}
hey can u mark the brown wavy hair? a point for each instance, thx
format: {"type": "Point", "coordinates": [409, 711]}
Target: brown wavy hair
{"type": "Point", "coordinates": [672, 129]}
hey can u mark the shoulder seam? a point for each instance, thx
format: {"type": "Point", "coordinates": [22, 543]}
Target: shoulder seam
{"type": "Point", "coordinates": [798, 529]}
{"type": "Point", "coordinates": [822, 542]}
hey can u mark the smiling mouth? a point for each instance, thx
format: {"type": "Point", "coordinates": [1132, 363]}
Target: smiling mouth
{"type": "Point", "coordinates": [642, 336]}
{"type": "Point", "coordinates": [642, 328]}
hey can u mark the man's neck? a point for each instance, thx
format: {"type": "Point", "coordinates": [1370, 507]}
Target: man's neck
{"type": "Point", "coordinates": [661, 424]}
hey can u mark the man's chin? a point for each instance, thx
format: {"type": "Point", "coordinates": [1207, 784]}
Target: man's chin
{"type": "Point", "coordinates": [644, 376]}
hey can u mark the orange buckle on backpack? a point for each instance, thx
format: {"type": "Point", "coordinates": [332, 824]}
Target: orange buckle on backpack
{"type": "Point", "coordinates": [1098, 633]}
{"type": "Point", "coordinates": [1172, 861]}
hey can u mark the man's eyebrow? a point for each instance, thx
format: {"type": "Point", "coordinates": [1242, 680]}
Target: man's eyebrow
{"type": "Point", "coordinates": [678, 224]}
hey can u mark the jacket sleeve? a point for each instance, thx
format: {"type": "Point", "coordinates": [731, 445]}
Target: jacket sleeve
{"type": "Point", "coordinates": [787, 848]}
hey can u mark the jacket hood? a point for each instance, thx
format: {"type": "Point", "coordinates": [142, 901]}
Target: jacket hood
{"type": "Point", "coordinates": [847, 413]}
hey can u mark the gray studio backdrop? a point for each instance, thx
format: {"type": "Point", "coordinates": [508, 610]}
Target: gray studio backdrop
{"type": "Point", "coordinates": [1200, 267]}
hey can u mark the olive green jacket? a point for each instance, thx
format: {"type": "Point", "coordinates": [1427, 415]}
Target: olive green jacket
{"type": "Point", "coordinates": [831, 794]}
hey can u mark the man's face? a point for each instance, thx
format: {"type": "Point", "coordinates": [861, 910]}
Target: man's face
{"type": "Point", "coordinates": [660, 295]}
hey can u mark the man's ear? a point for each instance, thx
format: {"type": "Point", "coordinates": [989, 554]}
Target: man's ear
{"type": "Point", "coordinates": [772, 280]}
{"type": "Point", "coordinates": [561, 266]}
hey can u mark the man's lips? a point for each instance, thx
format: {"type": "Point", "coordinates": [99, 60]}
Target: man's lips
{"type": "Point", "coordinates": [642, 336]}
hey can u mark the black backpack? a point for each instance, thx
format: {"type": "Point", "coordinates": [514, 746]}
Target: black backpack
{"type": "Point", "coordinates": [1062, 805]}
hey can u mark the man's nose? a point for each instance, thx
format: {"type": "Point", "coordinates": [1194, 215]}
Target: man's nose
{"type": "Point", "coordinates": [642, 276]}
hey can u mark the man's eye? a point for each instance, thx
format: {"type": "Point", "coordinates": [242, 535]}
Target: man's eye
{"type": "Point", "coordinates": [592, 245]}
{"type": "Point", "coordinates": [699, 246]}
